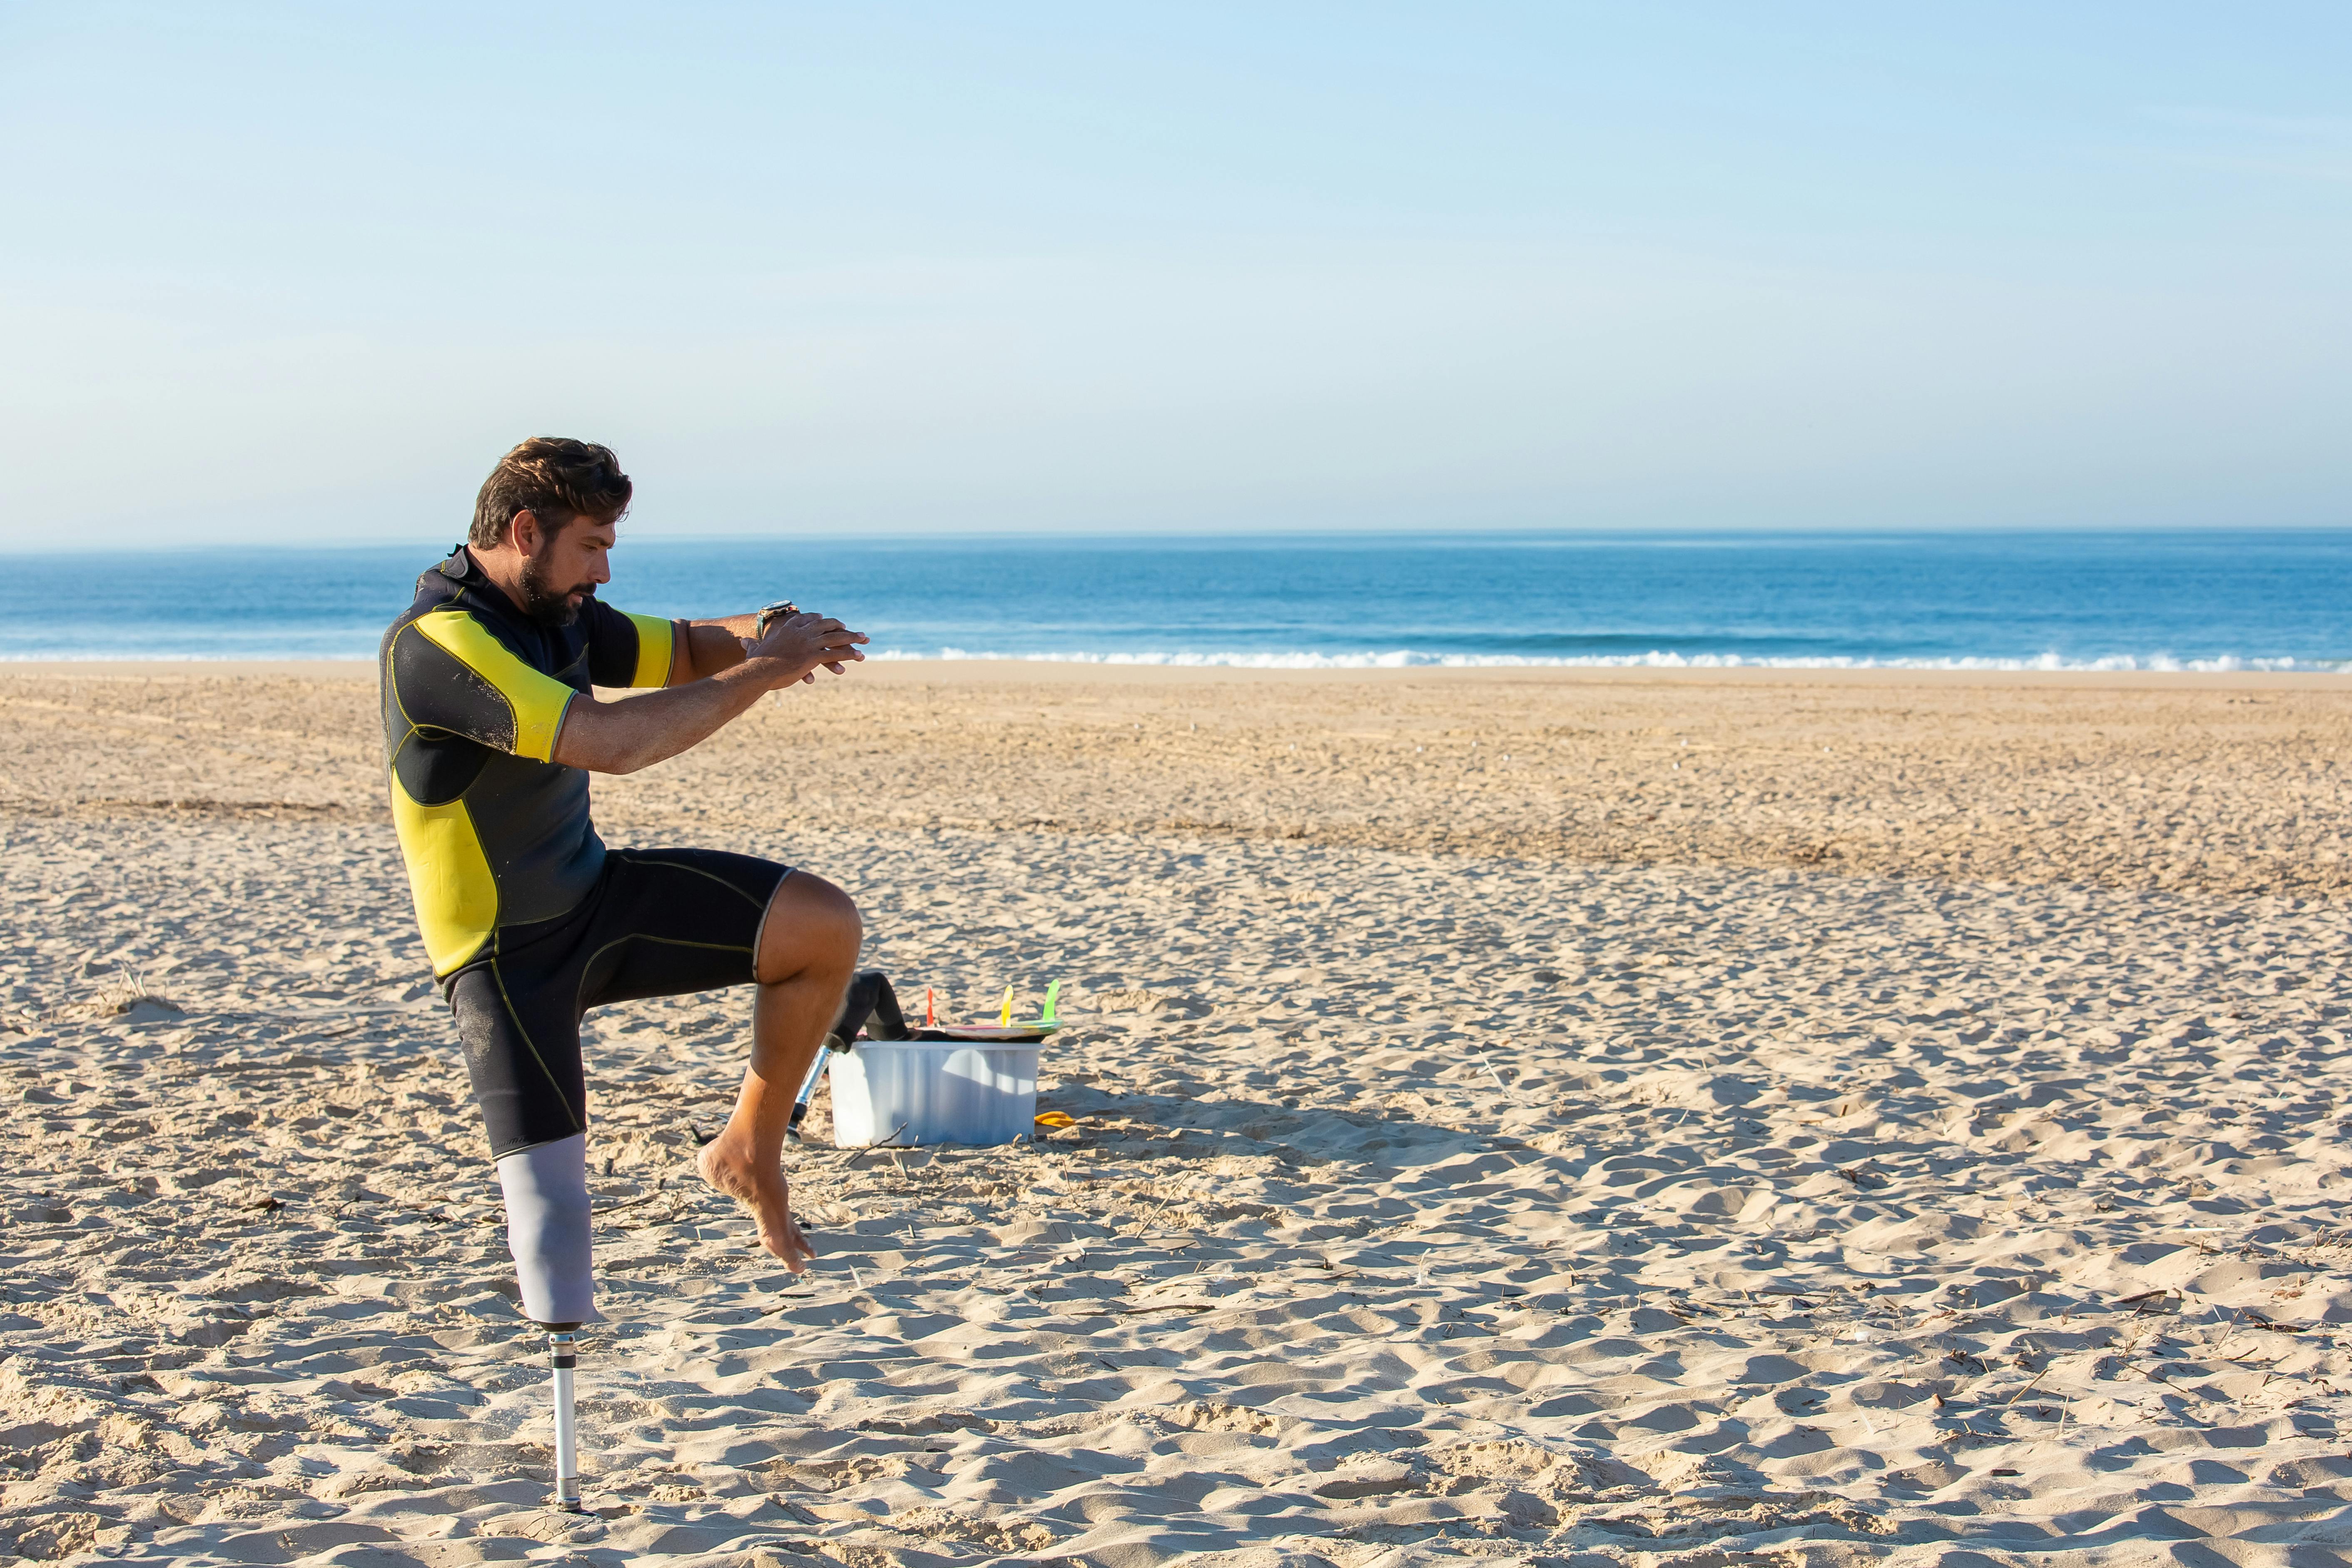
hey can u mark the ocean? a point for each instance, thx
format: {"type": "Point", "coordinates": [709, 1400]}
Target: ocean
{"type": "Point", "coordinates": [1993, 601]}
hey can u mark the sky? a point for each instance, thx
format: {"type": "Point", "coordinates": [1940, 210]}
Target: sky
{"type": "Point", "coordinates": [300, 273]}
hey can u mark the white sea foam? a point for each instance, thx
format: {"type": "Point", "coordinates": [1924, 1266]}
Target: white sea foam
{"type": "Point", "coordinates": [1391, 659]}
{"type": "Point", "coordinates": [1408, 659]}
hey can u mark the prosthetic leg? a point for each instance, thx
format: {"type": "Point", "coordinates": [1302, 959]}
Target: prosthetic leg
{"type": "Point", "coordinates": [546, 1188]}
{"type": "Point", "coordinates": [547, 1230]}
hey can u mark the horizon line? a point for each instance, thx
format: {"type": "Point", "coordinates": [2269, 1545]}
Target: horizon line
{"type": "Point", "coordinates": [1256, 536]}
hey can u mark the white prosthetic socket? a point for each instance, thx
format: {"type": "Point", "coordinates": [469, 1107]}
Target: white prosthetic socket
{"type": "Point", "coordinates": [547, 1230]}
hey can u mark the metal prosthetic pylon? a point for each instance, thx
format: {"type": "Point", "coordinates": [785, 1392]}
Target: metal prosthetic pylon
{"type": "Point", "coordinates": [564, 1361]}
{"type": "Point", "coordinates": [832, 1042]}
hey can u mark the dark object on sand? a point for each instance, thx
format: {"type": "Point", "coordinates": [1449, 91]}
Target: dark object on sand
{"type": "Point", "coordinates": [871, 1005]}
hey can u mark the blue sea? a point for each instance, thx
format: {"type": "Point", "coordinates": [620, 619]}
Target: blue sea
{"type": "Point", "coordinates": [1989, 601]}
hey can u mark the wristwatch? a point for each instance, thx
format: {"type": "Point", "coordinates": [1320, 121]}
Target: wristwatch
{"type": "Point", "coordinates": [780, 608]}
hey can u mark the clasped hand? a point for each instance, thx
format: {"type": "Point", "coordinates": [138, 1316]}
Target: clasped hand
{"type": "Point", "coordinates": [800, 644]}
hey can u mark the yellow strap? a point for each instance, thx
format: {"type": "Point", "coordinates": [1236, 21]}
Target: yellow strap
{"type": "Point", "coordinates": [538, 699]}
{"type": "Point", "coordinates": [654, 640]}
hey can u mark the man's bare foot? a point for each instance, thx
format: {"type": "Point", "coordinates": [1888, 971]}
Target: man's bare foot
{"type": "Point", "coordinates": [759, 1186]}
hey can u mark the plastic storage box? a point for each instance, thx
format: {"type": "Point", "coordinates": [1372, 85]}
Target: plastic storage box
{"type": "Point", "coordinates": [904, 1093]}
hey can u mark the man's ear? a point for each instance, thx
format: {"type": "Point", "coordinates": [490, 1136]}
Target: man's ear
{"type": "Point", "coordinates": [522, 531]}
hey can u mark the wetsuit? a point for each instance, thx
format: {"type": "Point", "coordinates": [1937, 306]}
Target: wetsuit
{"type": "Point", "coordinates": [529, 919]}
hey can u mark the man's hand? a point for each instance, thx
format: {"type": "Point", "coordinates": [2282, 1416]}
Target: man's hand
{"type": "Point", "coordinates": [797, 645]}
{"type": "Point", "coordinates": [622, 736]}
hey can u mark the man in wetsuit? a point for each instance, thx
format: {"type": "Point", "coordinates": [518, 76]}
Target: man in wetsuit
{"type": "Point", "coordinates": [491, 731]}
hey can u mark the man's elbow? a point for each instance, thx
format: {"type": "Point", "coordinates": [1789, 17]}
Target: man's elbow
{"type": "Point", "coordinates": [626, 757]}
{"type": "Point", "coordinates": [627, 762]}
{"type": "Point", "coordinates": [589, 741]}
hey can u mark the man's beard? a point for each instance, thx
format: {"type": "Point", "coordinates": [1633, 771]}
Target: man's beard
{"type": "Point", "coordinates": [546, 603]}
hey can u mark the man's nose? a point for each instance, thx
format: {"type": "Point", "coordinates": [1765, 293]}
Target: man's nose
{"type": "Point", "coordinates": [597, 571]}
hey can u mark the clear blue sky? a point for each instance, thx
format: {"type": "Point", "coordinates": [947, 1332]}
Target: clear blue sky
{"type": "Point", "coordinates": [302, 271]}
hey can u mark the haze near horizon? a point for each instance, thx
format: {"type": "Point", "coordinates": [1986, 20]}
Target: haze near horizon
{"type": "Point", "coordinates": [272, 273]}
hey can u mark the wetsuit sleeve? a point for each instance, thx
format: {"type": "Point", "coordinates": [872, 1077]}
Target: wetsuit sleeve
{"type": "Point", "coordinates": [625, 650]}
{"type": "Point", "coordinates": [449, 673]}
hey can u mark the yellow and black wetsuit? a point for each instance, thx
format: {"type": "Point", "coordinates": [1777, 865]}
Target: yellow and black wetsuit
{"type": "Point", "coordinates": [529, 920]}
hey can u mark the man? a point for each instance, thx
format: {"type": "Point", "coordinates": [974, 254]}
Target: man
{"type": "Point", "coordinates": [491, 731]}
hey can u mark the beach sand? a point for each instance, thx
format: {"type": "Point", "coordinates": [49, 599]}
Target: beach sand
{"type": "Point", "coordinates": [1528, 1117]}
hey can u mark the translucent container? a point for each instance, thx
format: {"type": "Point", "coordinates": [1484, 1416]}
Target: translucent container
{"type": "Point", "coordinates": [908, 1091]}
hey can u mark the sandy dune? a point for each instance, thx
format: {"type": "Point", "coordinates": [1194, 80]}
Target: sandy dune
{"type": "Point", "coordinates": [1927, 1150]}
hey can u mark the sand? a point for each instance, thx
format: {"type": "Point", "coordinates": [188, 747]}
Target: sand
{"type": "Point", "coordinates": [1542, 1118]}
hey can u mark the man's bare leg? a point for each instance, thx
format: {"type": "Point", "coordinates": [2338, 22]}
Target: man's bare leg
{"type": "Point", "coordinates": [808, 947]}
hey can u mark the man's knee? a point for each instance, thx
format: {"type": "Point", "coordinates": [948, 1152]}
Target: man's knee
{"type": "Point", "coordinates": [810, 922]}
{"type": "Point", "coordinates": [839, 921]}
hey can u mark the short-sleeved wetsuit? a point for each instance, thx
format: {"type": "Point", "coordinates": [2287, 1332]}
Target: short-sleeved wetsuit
{"type": "Point", "coordinates": [529, 920]}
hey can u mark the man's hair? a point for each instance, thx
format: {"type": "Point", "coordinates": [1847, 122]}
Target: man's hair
{"type": "Point", "coordinates": [555, 479]}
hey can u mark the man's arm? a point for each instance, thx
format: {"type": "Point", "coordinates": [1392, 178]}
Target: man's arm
{"type": "Point", "coordinates": [707, 647]}
{"type": "Point", "coordinates": [637, 732]}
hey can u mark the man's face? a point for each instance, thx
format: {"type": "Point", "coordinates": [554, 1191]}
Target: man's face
{"type": "Point", "coordinates": [562, 573]}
